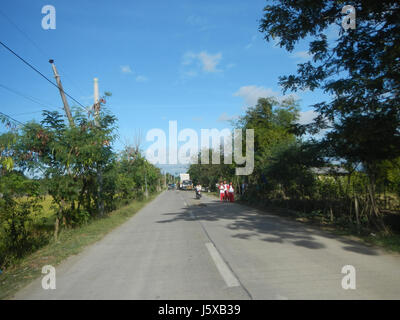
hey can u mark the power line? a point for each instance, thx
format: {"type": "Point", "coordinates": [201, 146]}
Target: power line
{"type": "Point", "coordinates": [43, 53]}
{"type": "Point", "coordinates": [41, 74]}
{"type": "Point", "coordinates": [11, 118]}
{"type": "Point", "coordinates": [23, 33]}
{"type": "Point", "coordinates": [30, 98]}
{"type": "Point", "coordinates": [25, 113]}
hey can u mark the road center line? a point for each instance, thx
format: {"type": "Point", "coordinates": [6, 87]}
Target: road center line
{"type": "Point", "coordinates": [226, 273]}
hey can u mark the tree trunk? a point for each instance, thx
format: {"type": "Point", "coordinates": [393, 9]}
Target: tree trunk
{"type": "Point", "coordinates": [357, 214]}
{"type": "Point", "coordinates": [100, 201]}
{"type": "Point", "coordinates": [59, 215]}
{"type": "Point", "coordinates": [374, 210]}
{"type": "Point", "coordinates": [56, 225]}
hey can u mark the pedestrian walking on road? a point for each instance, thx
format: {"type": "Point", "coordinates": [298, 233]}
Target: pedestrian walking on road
{"type": "Point", "coordinates": [221, 191]}
{"type": "Point", "coordinates": [226, 188]}
{"type": "Point", "coordinates": [231, 193]}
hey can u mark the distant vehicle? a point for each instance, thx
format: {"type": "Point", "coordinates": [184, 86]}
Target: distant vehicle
{"type": "Point", "coordinates": [187, 185]}
{"type": "Point", "coordinates": [185, 177]}
{"type": "Point", "coordinates": [171, 186]}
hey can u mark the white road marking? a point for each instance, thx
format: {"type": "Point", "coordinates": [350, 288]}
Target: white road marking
{"type": "Point", "coordinates": [226, 273]}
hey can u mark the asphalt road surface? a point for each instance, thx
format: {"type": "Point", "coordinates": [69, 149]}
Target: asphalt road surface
{"type": "Point", "coordinates": [178, 247]}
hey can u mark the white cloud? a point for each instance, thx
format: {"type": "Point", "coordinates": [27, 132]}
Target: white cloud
{"type": "Point", "coordinates": [141, 79]}
{"type": "Point", "coordinates": [207, 62]}
{"type": "Point", "coordinates": [225, 117]}
{"type": "Point", "coordinates": [307, 116]}
{"type": "Point", "coordinates": [251, 94]}
{"type": "Point", "coordinates": [250, 44]}
{"type": "Point", "coordinates": [301, 55]}
{"type": "Point", "coordinates": [210, 61]}
{"type": "Point", "coordinates": [126, 69]}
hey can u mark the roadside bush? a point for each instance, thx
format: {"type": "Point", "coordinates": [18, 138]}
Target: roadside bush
{"type": "Point", "coordinates": [18, 203]}
{"type": "Point", "coordinates": [77, 168]}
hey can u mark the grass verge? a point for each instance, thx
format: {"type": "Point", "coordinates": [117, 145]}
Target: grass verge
{"type": "Point", "coordinates": [70, 242]}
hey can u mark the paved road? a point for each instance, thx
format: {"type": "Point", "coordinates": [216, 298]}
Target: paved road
{"type": "Point", "coordinates": [181, 248]}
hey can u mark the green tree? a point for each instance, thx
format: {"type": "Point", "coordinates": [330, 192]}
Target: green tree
{"type": "Point", "coordinates": [272, 121]}
{"type": "Point", "coordinates": [208, 175]}
{"type": "Point", "coordinates": [69, 158]}
{"type": "Point", "coordinates": [19, 199]}
{"type": "Point", "coordinates": [360, 70]}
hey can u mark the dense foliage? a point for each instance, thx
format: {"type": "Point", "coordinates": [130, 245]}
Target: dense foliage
{"type": "Point", "coordinates": [75, 166]}
{"type": "Point", "coordinates": [352, 173]}
{"type": "Point", "coordinates": [359, 69]}
{"type": "Point", "coordinates": [295, 173]}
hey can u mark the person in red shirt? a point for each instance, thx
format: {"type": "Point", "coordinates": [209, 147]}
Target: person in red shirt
{"type": "Point", "coordinates": [226, 187]}
{"type": "Point", "coordinates": [221, 191]}
{"type": "Point", "coordinates": [231, 192]}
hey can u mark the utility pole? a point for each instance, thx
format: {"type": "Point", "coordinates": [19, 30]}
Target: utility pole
{"type": "Point", "coordinates": [96, 90]}
{"type": "Point", "coordinates": [64, 99]}
{"type": "Point", "coordinates": [96, 109]}
{"type": "Point", "coordinates": [145, 182]}
{"type": "Point", "coordinates": [96, 106]}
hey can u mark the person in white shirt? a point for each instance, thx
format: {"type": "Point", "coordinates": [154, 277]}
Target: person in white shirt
{"type": "Point", "coordinates": [221, 191]}
{"type": "Point", "coordinates": [231, 192]}
{"type": "Point", "coordinates": [198, 191]}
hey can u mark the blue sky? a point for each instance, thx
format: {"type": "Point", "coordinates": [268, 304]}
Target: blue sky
{"type": "Point", "coordinates": [197, 62]}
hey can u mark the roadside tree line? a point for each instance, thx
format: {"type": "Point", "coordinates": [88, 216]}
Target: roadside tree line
{"type": "Point", "coordinates": [356, 131]}
{"type": "Point", "coordinates": [75, 166]}
{"type": "Point", "coordinates": [306, 174]}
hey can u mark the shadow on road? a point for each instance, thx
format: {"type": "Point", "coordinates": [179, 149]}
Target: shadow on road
{"type": "Point", "coordinates": [250, 224]}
